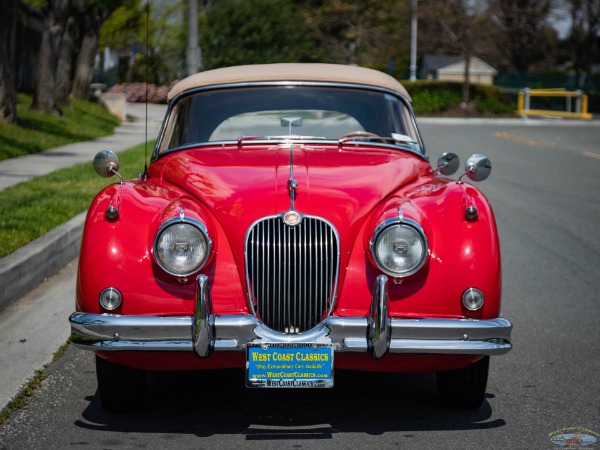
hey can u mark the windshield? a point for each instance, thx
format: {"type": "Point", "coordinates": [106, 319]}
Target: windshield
{"type": "Point", "coordinates": [300, 111]}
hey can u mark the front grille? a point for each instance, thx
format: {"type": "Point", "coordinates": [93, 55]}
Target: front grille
{"type": "Point", "coordinates": [292, 272]}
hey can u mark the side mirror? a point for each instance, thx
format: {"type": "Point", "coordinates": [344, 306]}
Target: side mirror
{"type": "Point", "coordinates": [478, 167]}
{"type": "Point", "coordinates": [106, 163]}
{"type": "Point", "coordinates": [448, 163]}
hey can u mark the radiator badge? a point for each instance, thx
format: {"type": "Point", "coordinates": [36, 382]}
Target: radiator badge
{"type": "Point", "coordinates": [292, 218]}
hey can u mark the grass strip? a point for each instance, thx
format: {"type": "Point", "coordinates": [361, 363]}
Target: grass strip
{"type": "Point", "coordinates": [28, 391]}
{"type": "Point", "coordinates": [30, 209]}
{"type": "Point", "coordinates": [34, 132]}
{"type": "Point", "coordinates": [21, 399]}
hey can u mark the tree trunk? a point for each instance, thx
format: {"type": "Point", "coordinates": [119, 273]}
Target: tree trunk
{"type": "Point", "coordinates": [64, 66]}
{"type": "Point", "coordinates": [467, 82]}
{"type": "Point", "coordinates": [44, 95]}
{"type": "Point", "coordinates": [91, 20]}
{"type": "Point", "coordinates": [8, 31]}
{"type": "Point", "coordinates": [84, 68]}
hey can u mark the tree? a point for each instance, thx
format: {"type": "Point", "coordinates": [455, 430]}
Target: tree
{"type": "Point", "coordinates": [364, 32]}
{"type": "Point", "coordinates": [124, 32]}
{"type": "Point", "coordinates": [60, 38]}
{"type": "Point", "coordinates": [8, 100]}
{"type": "Point", "coordinates": [465, 30]}
{"type": "Point", "coordinates": [54, 16]}
{"type": "Point", "coordinates": [64, 65]}
{"type": "Point", "coordinates": [91, 16]}
{"type": "Point", "coordinates": [254, 31]}
{"type": "Point", "coordinates": [526, 36]}
{"type": "Point", "coordinates": [584, 37]}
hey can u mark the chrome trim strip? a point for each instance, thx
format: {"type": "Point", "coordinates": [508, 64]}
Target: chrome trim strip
{"type": "Point", "coordinates": [103, 332]}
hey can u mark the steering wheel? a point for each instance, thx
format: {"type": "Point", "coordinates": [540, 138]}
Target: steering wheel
{"type": "Point", "coordinates": [359, 134]}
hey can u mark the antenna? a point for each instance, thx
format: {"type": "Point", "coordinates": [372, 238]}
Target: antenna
{"type": "Point", "coordinates": [145, 175]}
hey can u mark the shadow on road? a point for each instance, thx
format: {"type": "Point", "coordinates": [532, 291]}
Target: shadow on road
{"type": "Point", "coordinates": [217, 403]}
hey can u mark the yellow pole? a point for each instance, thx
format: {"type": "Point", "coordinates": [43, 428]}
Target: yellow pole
{"type": "Point", "coordinates": [520, 102]}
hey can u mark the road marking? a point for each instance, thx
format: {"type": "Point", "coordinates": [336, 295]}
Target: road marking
{"type": "Point", "coordinates": [591, 155]}
{"type": "Point", "coordinates": [521, 140]}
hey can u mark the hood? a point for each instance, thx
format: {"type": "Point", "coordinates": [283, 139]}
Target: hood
{"type": "Point", "coordinates": [241, 184]}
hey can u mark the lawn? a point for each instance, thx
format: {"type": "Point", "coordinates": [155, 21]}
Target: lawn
{"type": "Point", "coordinates": [30, 209]}
{"type": "Point", "coordinates": [35, 132]}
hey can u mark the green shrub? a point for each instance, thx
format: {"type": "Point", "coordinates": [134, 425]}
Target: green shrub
{"type": "Point", "coordinates": [434, 101]}
{"type": "Point", "coordinates": [491, 105]}
{"type": "Point", "coordinates": [435, 97]}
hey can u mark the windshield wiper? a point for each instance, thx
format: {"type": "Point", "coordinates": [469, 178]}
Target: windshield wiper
{"type": "Point", "coordinates": [286, 137]}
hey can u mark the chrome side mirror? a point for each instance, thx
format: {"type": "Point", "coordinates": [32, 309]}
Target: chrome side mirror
{"type": "Point", "coordinates": [478, 167]}
{"type": "Point", "coordinates": [448, 163]}
{"type": "Point", "coordinates": [106, 164]}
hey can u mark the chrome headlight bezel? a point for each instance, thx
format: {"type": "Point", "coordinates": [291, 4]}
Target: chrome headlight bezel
{"type": "Point", "coordinates": [386, 227]}
{"type": "Point", "coordinates": [199, 229]}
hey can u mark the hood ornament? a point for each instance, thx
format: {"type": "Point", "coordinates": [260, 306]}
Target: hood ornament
{"type": "Point", "coordinates": [292, 217]}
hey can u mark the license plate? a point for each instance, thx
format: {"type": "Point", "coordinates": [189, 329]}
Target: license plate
{"type": "Point", "coordinates": [282, 365]}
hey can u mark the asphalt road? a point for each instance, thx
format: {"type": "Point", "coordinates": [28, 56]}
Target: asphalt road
{"type": "Point", "coordinates": [545, 188]}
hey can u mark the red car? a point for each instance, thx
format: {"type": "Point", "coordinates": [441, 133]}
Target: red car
{"type": "Point", "coordinates": [290, 223]}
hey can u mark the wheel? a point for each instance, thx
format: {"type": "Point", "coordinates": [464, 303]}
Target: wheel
{"type": "Point", "coordinates": [120, 388]}
{"type": "Point", "coordinates": [464, 388]}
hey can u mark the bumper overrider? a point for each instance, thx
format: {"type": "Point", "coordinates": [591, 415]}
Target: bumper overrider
{"type": "Point", "coordinates": [206, 332]}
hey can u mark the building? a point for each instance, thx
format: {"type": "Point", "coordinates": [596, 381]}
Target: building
{"type": "Point", "coordinates": [452, 68]}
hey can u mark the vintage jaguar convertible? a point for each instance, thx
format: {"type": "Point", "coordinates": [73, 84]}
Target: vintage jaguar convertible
{"type": "Point", "coordinates": [290, 223]}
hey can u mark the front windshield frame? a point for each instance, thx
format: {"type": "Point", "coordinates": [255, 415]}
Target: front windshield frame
{"type": "Point", "coordinates": [407, 114]}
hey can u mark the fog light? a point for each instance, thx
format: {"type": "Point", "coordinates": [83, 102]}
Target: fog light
{"type": "Point", "coordinates": [110, 299]}
{"type": "Point", "coordinates": [472, 299]}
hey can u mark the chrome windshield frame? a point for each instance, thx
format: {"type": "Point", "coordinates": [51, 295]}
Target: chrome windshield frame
{"type": "Point", "coordinates": [156, 154]}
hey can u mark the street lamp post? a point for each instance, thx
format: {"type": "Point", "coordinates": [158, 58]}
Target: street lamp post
{"type": "Point", "coordinates": [413, 41]}
{"type": "Point", "coordinates": [193, 51]}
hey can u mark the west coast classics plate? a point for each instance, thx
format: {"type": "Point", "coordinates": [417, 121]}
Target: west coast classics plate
{"type": "Point", "coordinates": [283, 365]}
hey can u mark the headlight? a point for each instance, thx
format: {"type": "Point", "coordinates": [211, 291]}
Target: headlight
{"type": "Point", "coordinates": [181, 246]}
{"type": "Point", "coordinates": [399, 248]}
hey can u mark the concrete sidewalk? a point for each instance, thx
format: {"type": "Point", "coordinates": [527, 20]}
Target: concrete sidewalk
{"type": "Point", "coordinates": [128, 134]}
{"type": "Point", "coordinates": [34, 327]}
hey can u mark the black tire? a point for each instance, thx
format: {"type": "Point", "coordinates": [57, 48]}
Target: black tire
{"type": "Point", "coordinates": [464, 388]}
{"type": "Point", "coordinates": [121, 388]}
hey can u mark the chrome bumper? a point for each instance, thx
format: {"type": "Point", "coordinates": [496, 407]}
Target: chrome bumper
{"type": "Point", "coordinates": [205, 332]}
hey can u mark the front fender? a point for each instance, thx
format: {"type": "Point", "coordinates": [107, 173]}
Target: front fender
{"type": "Point", "coordinates": [118, 253]}
{"type": "Point", "coordinates": [462, 255]}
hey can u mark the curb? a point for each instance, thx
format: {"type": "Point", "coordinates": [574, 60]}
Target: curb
{"type": "Point", "coordinates": [24, 269]}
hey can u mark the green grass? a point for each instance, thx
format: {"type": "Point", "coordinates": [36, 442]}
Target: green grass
{"type": "Point", "coordinates": [30, 209]}
{"type": "Point", "coordinates": [35, 132]}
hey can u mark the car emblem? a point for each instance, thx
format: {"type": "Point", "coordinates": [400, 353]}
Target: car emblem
{"type": "Point", "coordinates": [292, 218]}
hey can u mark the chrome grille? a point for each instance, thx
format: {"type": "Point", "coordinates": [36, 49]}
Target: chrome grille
{"type": "Point", "coordinates": [292, 272]}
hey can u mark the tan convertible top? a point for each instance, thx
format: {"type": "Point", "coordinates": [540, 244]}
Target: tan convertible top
{"type": "Point", "coordinates": [335, 73]}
